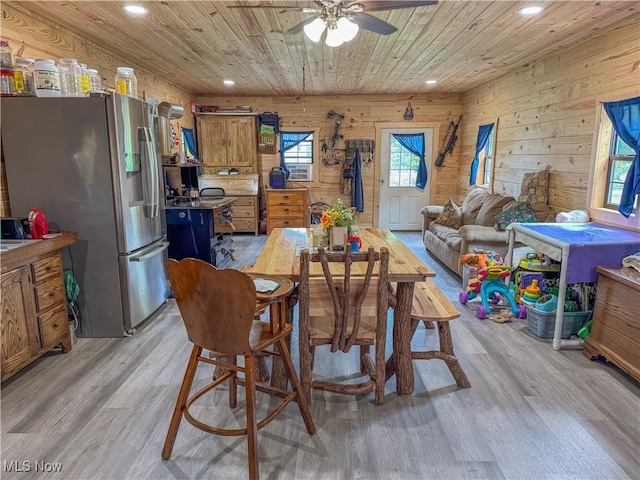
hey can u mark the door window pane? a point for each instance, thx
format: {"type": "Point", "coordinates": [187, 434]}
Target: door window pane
{"type": "Point", "coordinates": [403, 166]}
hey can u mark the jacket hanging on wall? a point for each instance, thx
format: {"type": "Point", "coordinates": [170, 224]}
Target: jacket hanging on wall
{"type": "Point", "coordinates": [357, 194]}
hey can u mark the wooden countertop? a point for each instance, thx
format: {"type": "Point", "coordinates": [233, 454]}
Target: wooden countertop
{"type": "Point", "coordinates": [21, 254]}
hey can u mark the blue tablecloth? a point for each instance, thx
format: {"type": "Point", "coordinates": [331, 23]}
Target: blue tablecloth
{"type": "Point", "coordinates": [589, 244]}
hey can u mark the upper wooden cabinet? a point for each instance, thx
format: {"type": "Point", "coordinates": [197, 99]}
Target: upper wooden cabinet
{"type": "Point", "coordinates": [227, 141]}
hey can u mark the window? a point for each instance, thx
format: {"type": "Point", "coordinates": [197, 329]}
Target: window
{"type": "Point", "coordinates": [486, 160]}
{"type": "Point", "coordinates": [298, 155]}
{"type": "Point", "coordinates": [620, 158]}
{"type": "Point", "coordinates": [403, 166]}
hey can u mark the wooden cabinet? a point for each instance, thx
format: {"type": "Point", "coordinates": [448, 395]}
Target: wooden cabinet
{"type": "Point", "coordinates": [615, 332]}
{"type": "Point", "coordinates": [287, 208]}
{"type": "Point", "coordinates": [33, 303]}
{"type": "Point", "coordinates": [245, 189]}
{"type": "Point", "coordinates": [226, 141]}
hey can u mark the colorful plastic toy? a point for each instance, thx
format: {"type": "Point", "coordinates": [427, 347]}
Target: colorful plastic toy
{"type": "Point", "coordinates": [493, 285]}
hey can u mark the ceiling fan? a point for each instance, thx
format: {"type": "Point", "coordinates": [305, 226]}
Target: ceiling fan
{"type": "Point", "coordinates": [343, 18]}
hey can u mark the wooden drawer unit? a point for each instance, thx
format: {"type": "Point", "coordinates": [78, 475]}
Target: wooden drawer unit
{"type": "Point", "coordinates": [33, 303]}
{"type": "Point", "coordinates": [287, 208]}
{"type": "Point", "coordinates": [245, 189]}
{"type": "Point", "coordinates": [615, 333]}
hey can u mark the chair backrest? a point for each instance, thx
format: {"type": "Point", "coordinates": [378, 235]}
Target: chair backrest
{"type": "Point", "coordinates": [217, 306]}
{"type": "Point", "coordinates": [350, 295]}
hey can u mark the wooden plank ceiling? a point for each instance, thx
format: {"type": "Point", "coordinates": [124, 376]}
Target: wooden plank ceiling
{"type": "Point", "coordinates": [461, 44]}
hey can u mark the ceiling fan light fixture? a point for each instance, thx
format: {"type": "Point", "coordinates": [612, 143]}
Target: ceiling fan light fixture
{"type": "Point", "coordinates": [347, 29]}
{"type": "Point", "coordinates": [314, 30]}
{"type": "Point", "coordinates": [334, 37]}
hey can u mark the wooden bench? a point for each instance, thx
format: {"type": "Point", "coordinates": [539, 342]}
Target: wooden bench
{"type": "Point", "coordinates": [430, 305]}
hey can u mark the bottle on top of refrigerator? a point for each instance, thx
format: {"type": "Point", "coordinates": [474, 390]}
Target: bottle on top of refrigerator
{"type": "Point", "coordinates": [95, 80]}
{"type": "Point", "coordinates": [23, 77]}
{"type": "Point", "coordinates": [70, 77]}
{"type": "Point", "coordinates": [126, 82]}
{"type": "Point", "coordinates": [46, 78]}
{"type": "Point", "coordinates": [86, 80]}
{"type": "Point", "coordinates": [6, 54]}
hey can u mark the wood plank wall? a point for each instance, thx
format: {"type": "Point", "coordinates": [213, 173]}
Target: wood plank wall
{"type": "Point", "coordinates": [361, 113]}
{"type": "Point", "coordinates": [41, 38]}
{"type": "Point", "coordinates": [546, 113]}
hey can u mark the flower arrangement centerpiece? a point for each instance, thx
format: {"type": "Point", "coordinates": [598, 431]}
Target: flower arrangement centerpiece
{"type": "Point", "coordinates": [336, 221]}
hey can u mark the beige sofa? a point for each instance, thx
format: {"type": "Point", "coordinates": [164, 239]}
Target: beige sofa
{"type": "Point", "coordinates": [478, 228]}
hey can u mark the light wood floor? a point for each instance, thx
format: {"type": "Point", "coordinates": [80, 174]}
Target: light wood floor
{"type": "Point", "coordinates": [532, 413]}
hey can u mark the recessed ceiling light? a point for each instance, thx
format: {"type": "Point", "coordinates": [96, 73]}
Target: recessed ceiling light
{"type": "Point", "coordinates": [228, 82]}
{"type": "Point", "coordinates": [135, 9]}
{"type": "Point", "coordinates": [431, 82]}
{"type": "Point", "coordinates": [530, 10]}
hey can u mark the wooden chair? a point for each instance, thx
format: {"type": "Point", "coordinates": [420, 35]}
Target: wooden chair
{"type": "Point", "coordinates": [352, 313]}
{"type": "Point", "coordinates": [218, 309]}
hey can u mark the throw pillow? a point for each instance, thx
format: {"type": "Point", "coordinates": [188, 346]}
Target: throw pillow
{"type": "Point", "coordinates": [451, 215]}
{"type": "Point", "coordinates": [521, 212]}
{"type": "Point", "coordinates": [535, 187]}
{"type": "Point", "coordinates": [472, 204]}
{"type": "Point", "coordinates": [493, 204]}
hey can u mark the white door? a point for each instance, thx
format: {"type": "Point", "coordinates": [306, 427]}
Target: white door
{"type": "Point", "coordinates": [400, 200]}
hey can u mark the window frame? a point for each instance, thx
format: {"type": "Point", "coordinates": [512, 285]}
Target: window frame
{"type": "Point", "coordinates": [598, 175]}
{"type": "Point", "coordinates": [482, 171]}
{"type": "Point", "coordinates": [613, 158]}
{"type": "Point", "coordinates": [311, 159]}
{"type": "Point", "coordinates": [413, 172]}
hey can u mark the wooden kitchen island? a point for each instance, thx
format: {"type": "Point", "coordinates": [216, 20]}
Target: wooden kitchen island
{"type": "Point", "coordinates": [33, 301]}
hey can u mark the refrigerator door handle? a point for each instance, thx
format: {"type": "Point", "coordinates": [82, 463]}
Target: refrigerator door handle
{"type": "Point", "coordinates": [146, 256]}
{"type": "Point", "coordinates": [153, 165]}
{"type": "Point", "coordinates": [151, 177]}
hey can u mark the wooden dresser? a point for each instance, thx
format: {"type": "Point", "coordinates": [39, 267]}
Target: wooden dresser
{"type": "Point", "coordinates": [246, 216]}
{"type": "Point", "coordinates": [34, 304]}
{"type": "Point", "coordinates": [287, 208]}
{"type": "Point", "coordinates": [615, 333]}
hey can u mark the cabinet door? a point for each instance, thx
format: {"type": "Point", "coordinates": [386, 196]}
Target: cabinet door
{"type": "Point", "coordinates": [243, 150]}
{"type": "Point", "coordinates": [19, 332]}
{"type": "Point", "coordinates": [213, 141]}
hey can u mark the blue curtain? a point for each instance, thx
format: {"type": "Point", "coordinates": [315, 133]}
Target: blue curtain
{"type": "Point", "coordinates": [414, 142]}
{"type": "Point", "coordinates": [357, 193]}
{"type": "Point", "coordinates": [625, 116]}
{"type": "Point", "coordinates": [289, 140]}
{"type": "Point", "coordinates": [483, 135]}
{"type": "Point", "coordinates": [190, 142]}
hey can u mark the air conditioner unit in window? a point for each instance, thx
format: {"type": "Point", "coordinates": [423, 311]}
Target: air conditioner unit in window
{"type": "Point", "coordinates": [301, 172]}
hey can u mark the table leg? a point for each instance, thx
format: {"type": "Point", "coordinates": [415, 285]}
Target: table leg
{"type": "Point", "coordinates": [402, 338]}
{"type": "Point", "coordinates": [279, 377]}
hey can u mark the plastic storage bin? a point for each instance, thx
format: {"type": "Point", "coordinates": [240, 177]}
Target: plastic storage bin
{"type": "Point", "coordinates": [543, 324]}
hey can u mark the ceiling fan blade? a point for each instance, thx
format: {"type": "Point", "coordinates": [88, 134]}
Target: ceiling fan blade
{"type": "Point", "coordinates": [298, 28]}
{"type": "Point", "coordinates": [380, 5]}
{"type": "Point", "coordinates": [265, 6]}
{"type": "Point", "coordinates": [372, 23]}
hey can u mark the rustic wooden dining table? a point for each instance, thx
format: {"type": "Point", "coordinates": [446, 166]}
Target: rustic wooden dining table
{"type": "Point", "coordinates": [281, 257]}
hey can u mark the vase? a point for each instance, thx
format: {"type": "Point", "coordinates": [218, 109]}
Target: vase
{"type": "Point", "coordinates": [338, 238]}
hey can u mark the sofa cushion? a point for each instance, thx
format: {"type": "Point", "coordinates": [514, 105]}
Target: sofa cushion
{"type": "Point", "coordinates": [492, 205]}
{"type": "Point", "coordinates": [535, 187]}
{"type": "Point", "coordinates": [448, 235]}
{"type": "Point", "coordinates": [451, 215]}
{"type": "Point", "coordinates": [472, 204]}
{"type": "Point", "coordinates": [521, 212]}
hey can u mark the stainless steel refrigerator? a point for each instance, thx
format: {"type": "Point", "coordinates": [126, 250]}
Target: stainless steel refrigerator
{"type": "Point", "coordinates": [90, 165]}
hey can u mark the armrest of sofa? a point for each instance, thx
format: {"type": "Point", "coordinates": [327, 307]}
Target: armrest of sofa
{"type": "Point", "coordinates": [429, 214]}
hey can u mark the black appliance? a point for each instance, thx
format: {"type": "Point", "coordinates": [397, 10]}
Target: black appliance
{"type": "Point", "coordinates": [277, 178]}
{"type": "Point", "coordinates": [202, 233]}
{"type": "Point", "coordinates": [14, 228]}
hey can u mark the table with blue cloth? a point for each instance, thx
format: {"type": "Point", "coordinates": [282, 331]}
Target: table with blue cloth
{"type": "Point", "coordinates": [579, 247]}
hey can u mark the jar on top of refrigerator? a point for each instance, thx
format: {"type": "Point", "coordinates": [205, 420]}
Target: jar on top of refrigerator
{"type": "Point", "coordinates": [95, 80]}
{"type": "Point", "coordinates": [23, 76]}
{"type": "Point", "coordinates": [6, 54]}
{"type": "Point", "coordinates": [7, 80]}
{"type": "Point", "coordinates": [126, 82]}
{"type": "Point", "coordinates": [46, 78]}
{"type": "Point", "coordinates": [70, 77]}
{"type": "Point", "coordinates": [86, 80]}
